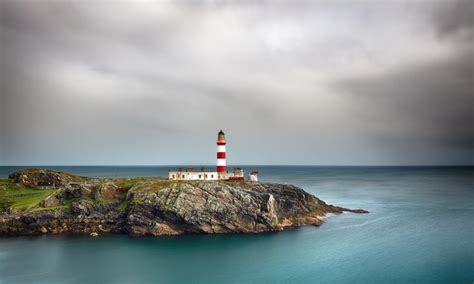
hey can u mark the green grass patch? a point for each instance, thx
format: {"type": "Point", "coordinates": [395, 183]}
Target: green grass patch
{"type": "Point", "coordinates": [127, 182]}
{"type": "Point", "coordinates": [153, 186]}
{"type": "Point", "coordinates": [52, 208]}
{"type": "Point", "coordinates": [130, 182]}
{"type": "Point", "coordinates": [122, 205]}
{"type": "Point", "coordinates": [6, 182]}
{"type": "Point", "coordinates": [15, 191]}
{"type": "Point", "coordinates": [23, 198]}
{"type": "Point", "coordinates": [19, 197]}
{"type": "Point", "coordinates": [160, 185]}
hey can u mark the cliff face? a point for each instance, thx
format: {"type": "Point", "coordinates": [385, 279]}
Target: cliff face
{"type": "Point", "coordinates": [153, 206]}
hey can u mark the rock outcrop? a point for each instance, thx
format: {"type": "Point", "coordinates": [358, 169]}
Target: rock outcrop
{"type": "Point", "coordinates": [39, 178]}
{"type": "Point", "coordinates": [154, 207]}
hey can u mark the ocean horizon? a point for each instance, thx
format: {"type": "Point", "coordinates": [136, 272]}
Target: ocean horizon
{"type": "Point", "coordinates": [162, 170]}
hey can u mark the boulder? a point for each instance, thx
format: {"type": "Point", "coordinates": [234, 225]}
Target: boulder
{"type": "Point", "coordinates": [50, 201]}
{"type": "Point", "coordinates": [106, 191]}
{"type": "Point", "coordinates": [74, 190]}
{"type": "Point", "coordinates": [81, 207]}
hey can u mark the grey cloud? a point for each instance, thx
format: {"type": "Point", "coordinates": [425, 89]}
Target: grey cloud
{"type": "Point", "coordinates": [428, 104]}
{"type": "Point", "coordinates": [154, 81]}
{"type": "Point", "coordinates": [455, 17]}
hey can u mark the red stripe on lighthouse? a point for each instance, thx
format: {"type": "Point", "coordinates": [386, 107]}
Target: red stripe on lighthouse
{"type": "Point", "coordinates": [221, 160]}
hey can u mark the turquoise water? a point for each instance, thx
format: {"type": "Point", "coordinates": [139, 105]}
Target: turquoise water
{"type": "Point", "coordinates": [420, 230]}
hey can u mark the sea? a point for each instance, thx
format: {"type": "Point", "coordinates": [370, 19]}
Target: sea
{"type": "Point", "coordinates": [420, 229]}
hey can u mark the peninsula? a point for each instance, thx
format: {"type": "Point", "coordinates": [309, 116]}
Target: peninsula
{"type": "Point", "coordinates": [39, 201]}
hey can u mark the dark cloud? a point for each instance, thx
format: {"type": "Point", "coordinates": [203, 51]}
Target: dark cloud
{"type": "Point", "coordinates": [426, 104]}
{"type": "Point", "coordinates": [456, 18]}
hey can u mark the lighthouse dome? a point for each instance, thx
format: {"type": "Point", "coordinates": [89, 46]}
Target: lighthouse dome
{"type": "Point", "coordinates": [221, 136]}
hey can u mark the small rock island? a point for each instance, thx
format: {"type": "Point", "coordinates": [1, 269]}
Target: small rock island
{"type": "Point", "coordinates": [38, 201]}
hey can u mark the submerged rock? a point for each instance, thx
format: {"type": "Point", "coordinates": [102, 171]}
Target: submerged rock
{"type": "Point", "coordinates": [161, 207]}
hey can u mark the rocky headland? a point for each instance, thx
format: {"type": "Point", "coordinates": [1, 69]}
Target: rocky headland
{"type": "Point", "coordinates": [37, 201]}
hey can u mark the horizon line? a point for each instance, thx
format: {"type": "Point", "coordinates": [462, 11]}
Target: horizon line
{"type": "Point", "coordinates": [240, 165]}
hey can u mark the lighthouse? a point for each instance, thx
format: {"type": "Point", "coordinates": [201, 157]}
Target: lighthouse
{"type": "Point", "coordinates": [221, 169]}
{"type": "Point", "coordinates": [221, 159]}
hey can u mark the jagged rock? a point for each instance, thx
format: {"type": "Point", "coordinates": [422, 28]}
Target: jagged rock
{"type": "Point", "coordinates": [223, 207]}
{"type": "Point", "coordinates": [50, 201]}
{"type": "Point", "coordinates": [39, 178]}
{"type": "Point", "coordinates": [107, 191]}
{"type": "Point", "coordinates": [81, 208]}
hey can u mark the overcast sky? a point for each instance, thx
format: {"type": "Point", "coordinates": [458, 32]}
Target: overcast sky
{"type": "Point", "coordinates": [290, 82]}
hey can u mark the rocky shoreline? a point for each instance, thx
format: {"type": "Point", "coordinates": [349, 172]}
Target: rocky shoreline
{"type": "Point", "coordinates": [37, 201]}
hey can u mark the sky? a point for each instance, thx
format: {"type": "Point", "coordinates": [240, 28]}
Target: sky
{"type": "Point", "coordinates": [352, 82]}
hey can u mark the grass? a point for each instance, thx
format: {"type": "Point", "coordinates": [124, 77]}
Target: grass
{"type": "Point", "coordinates": [52, 208]}
{"type": "Point", "coordinates": [127, 182]}
{"type": "Point", "coordinates": [130, 182]}
{"type": "Point", "coordinates": [6, 183]}
{"type": "Point", "coordinates": [122, 206]}
{"type": "Point", "coordinates": [159, 185]}
{"type": "Point", "coordinates": [153, 186]}
{"type": "Point", "coordinates": [24, 199]}
{"type": "Point", "coordinates": [20, 198]}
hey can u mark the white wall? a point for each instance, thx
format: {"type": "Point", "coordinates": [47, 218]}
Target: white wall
{"type": "Point", "coordinates": [193, 175]}
{"type": "Point", "coordinates": [253, 177]}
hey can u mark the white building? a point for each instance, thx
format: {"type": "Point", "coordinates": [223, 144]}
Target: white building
{"type": "Point", "coordinates": [253, 176]}
{"type": "Point", "coordinates": [191, 174]}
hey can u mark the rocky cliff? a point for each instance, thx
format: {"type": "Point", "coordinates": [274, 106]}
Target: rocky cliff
{"type": "Point", "coordinates": [39, 201]}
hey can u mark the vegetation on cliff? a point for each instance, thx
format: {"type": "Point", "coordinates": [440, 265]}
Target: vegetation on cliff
{"type": "Point", "coordinates": [37, 201]}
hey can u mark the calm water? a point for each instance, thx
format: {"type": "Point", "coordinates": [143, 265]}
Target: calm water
{"type": "Point", "coordinates": [420, 230]}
